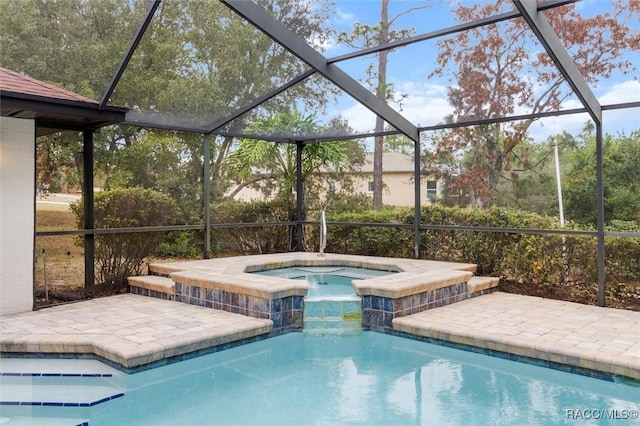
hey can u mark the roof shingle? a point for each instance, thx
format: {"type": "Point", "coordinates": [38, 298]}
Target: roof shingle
{"type": "Point", "coordinates": [12, 81]}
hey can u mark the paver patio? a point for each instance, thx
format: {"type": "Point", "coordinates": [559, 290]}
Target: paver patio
{"type": "Point", "coordinates": [132, 330]}
{"type": "Point", "coordinates": [601, 339]}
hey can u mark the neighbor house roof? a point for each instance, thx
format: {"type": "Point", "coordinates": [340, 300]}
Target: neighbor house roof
{"type": "Point", "coordinates": [52, 107]}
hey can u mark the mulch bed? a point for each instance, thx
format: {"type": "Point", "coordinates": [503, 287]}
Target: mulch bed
{"type": "Point", "coordinates": [620, 298]}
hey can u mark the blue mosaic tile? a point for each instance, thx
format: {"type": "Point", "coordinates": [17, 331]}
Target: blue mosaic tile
{"type": "Point", "coordinates": [297, 302]}
{"type": "Point", "coordinates": [386, 319]}
{"type": "Point", "coordinates": [61, 404]}
{"type": "Point", "coordinates": [377, 303]}
{"type": "Point", "coordinates": [287, 319]}
{"type": "Point", "coordinates": [387, 304]}
{"type": "Point", "coordinates": [226, 297]}
{"type": "Point", "coordinates": [234, 299]}
{"type": "Point", "coordinates": [276, 305]}
{"type": "Point", "coordinates": [366, 302]}
{"type": "Point", "coordinates": [376, 318]}
{"type": "Point", "coordinates": [277, 320]}
{"type": "Point", "coordinates": [287, 303]}
{"type": "Point", "coordinates": [366, 318]}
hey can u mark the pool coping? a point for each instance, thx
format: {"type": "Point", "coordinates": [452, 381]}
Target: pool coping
{"type": "Point", "coordinates": [234, 274]}
{"type": "Point", "coordinates": [231, 284]}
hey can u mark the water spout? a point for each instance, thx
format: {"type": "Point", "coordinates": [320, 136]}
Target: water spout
{"type": "Point", "coordinates": [323, 234]}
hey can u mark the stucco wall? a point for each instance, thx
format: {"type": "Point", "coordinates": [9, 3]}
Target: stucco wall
{"type": "Point", "coordinates": [17, 145]}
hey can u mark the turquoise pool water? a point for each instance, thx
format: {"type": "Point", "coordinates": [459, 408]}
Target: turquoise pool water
{"type": "Point", "coordinates": [363, 379]}
{"type": "Point", "coordinates": [326, 281]}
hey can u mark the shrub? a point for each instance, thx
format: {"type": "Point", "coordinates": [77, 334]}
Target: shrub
{"type": "Point", "coordinates": [368, 240]}
{"type": "Point", "coordinates": [250, 239]}
{"type": "Point", "coordinates": [119, 256]}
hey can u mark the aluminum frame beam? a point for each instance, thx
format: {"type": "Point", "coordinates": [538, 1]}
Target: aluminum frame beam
{"type": "Point", "coordinates": [549, 4]}
{"type": "Point", "coordinates": [151, 10]}
{"type": "Point", "coordinates": [259, 18]}
{"type": "Point", "coordinates": [225, 120]}
{"type": "Point", "coordinates": [549, 39]}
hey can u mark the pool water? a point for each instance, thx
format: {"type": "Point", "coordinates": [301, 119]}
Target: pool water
{"type": "Point", "coordinates": [326, 281]}
{"type": "Point", "coordinates": [367, 378]}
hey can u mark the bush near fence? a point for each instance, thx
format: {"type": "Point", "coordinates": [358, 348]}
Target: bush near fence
{"type": "Point", "coordinates": [119, 256]}
{"type": "Point", "coordinates": [525, 258]}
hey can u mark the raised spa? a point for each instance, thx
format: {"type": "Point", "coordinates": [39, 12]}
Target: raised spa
{"type": "Point", "coordinates": [326, 281]}
{"type": "Point", "coordinates": [232, 284]}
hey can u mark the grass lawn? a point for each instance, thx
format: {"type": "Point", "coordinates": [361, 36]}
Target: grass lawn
{"type": "Point", "coordinates": [59, 264]}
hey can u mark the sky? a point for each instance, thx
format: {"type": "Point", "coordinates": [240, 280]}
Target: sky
{"type": "Point", "coordinates": [426, 103]}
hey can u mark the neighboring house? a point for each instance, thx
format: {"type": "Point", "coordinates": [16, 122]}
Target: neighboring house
{"type": "Point", "coordinates": [397, 178]}
{"type": "Point", "coordinates": [398, 181]}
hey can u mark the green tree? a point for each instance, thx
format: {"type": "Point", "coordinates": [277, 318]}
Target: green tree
{"type": "Point", "coordinates": [196, 63]}
{"type": "Point", "coordinates": [364, 36]}
{"type": "Point", "coordinates": [272, 166]}
{"type": "Point", "coordinates": [495, 74]}
{"type": "Point", "coordinates": [621, 180]}
{"type": "Point", "coordinates": [529, 181]}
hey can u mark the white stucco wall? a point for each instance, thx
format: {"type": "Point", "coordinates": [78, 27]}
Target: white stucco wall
{"type": "Point", "coordinates": [17, 165]}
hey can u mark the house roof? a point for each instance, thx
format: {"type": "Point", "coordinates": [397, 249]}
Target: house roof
{"type": "Point", "coordinates": [52, 107]}
{"type": "Point", "coordinates": [12, 81]}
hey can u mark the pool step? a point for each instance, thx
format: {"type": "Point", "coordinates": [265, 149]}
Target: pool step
{"type": "Point", "coordinates": [26, 382]}
{"type": "Point", "coordinates": [333, 314]}
{"type": "Point", "coordinates": [154, 286]}
{"type": "Point", "coordinates": [477, 286]}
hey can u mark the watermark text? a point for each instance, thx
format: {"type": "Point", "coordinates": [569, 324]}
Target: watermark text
{"type": "Point", "coordinates": [600, 413]}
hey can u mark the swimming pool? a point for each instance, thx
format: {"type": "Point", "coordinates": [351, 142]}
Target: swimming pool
{"type": "Point", "coordinates": [326, 280]}
{"type": "Point", "coordinates": [368, 378]}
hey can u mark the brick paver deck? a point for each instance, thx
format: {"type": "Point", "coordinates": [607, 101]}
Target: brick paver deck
{"type": "Point", "coordinates": [601, 339]}
{"type": "Point", "coordinates": [128, 329]}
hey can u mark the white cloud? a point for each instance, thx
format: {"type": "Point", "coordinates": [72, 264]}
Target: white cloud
{"type": "Point", "coordinates": [425, 104]}
{"type": "Point", "coordinates": [626, 91]}
{"type": "Point", "coordinates": [322, 43]}
{"type": "Point", "coordinates": [614, 121]}
{"type": "Point", "coordinates": [342, 17]}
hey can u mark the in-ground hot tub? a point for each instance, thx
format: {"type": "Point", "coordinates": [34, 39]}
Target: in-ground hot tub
{"type": "Point", "coordinates": [326, 281]}
{"type": "Point", "coordinates": [228, 284]}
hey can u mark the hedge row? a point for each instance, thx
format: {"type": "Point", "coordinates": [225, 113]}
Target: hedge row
{"type": "Point", "coordinates": [528, 258]}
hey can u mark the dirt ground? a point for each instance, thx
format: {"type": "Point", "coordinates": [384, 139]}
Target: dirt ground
{"type": "Point", "coordinates": [621, 298]}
